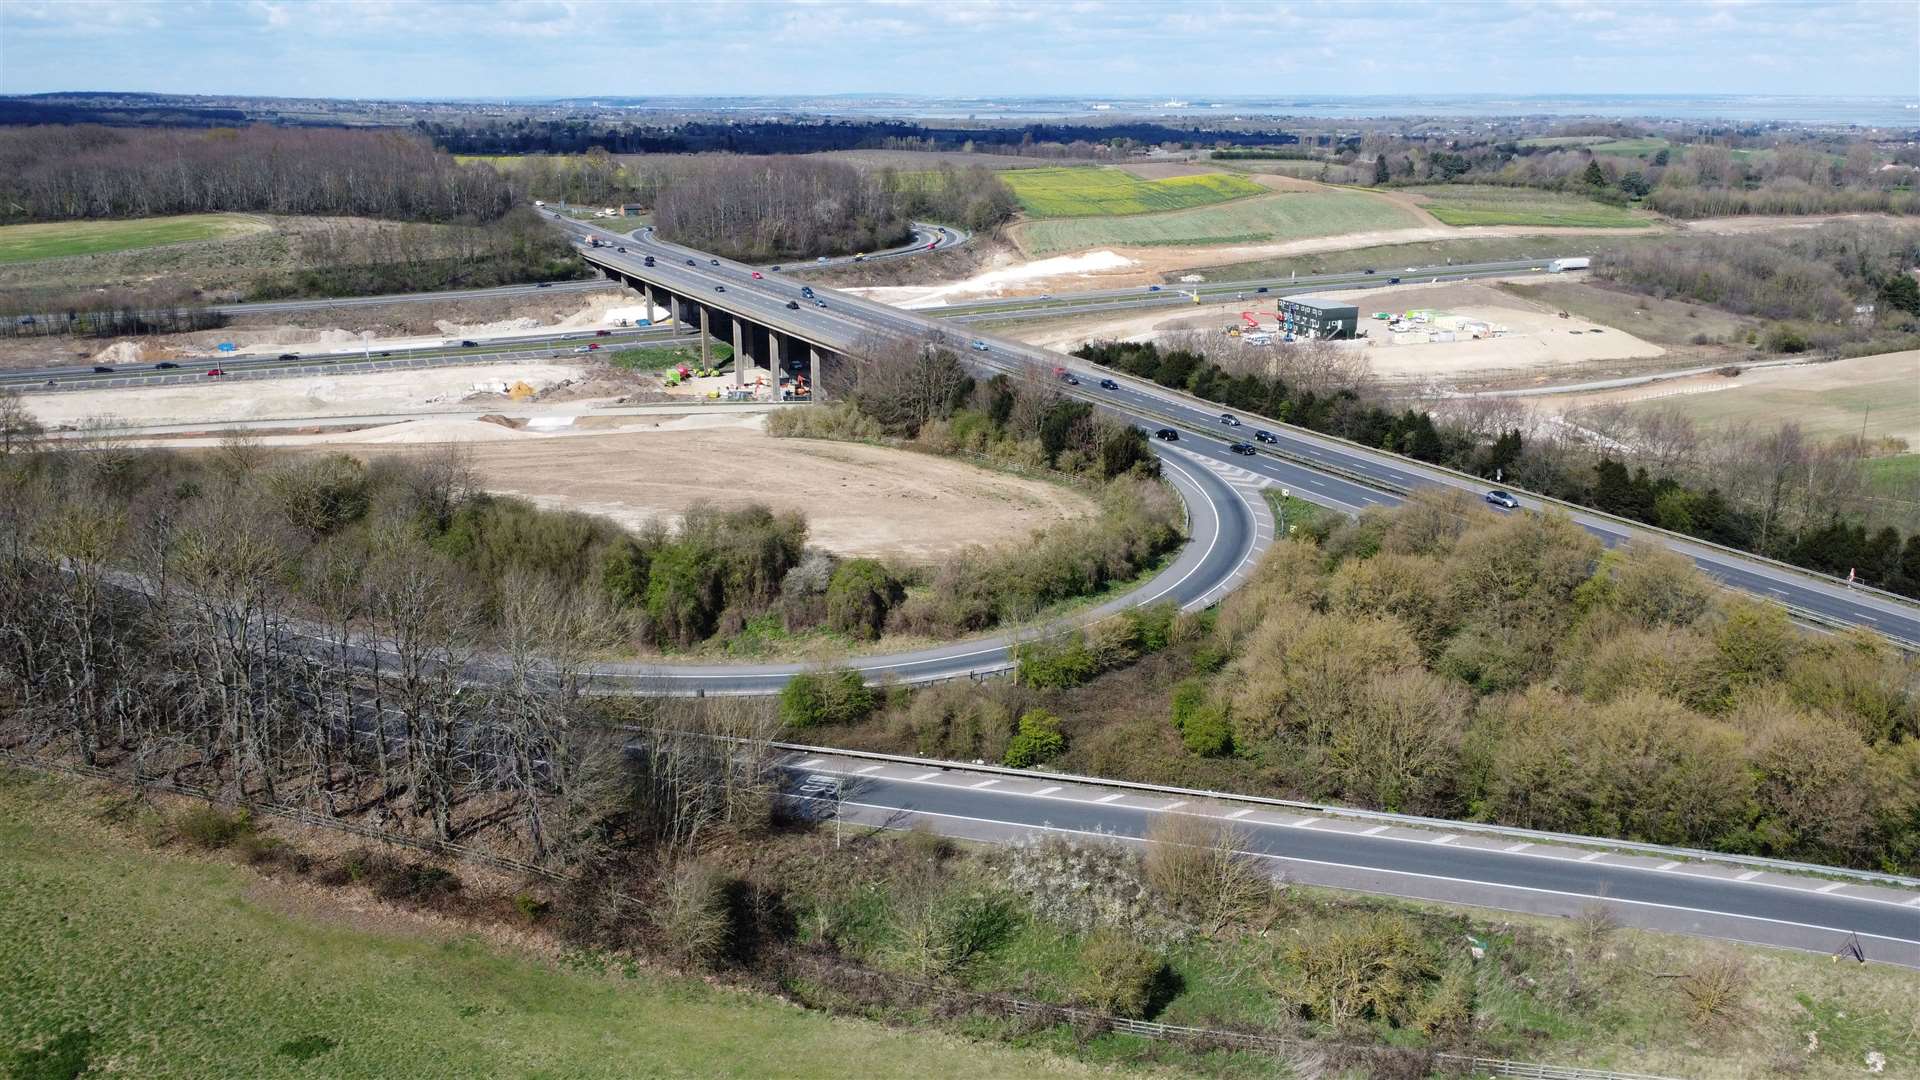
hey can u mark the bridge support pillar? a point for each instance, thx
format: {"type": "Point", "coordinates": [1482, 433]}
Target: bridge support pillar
{"type": "Point", "coordinates": [673, 308]}
{"type": "Point", "coordinates": [706, 361]}
{"type": "Point", "coordinates": [739, 354]}
{"type": "Point", "coordinates": [813, 374]}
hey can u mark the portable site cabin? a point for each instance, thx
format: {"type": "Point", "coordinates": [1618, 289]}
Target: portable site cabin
{"type": "Point", "coordinates": [1308, 316]}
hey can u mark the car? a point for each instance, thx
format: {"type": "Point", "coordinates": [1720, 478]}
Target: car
{"type": "Point", "coordinates": [467, 343]}
{"type": "Point", "coordinates": [1071, 379]}
{"type": "Point", "coordinates": [1243, 449]}
{"type": "Point", "coordinates": [549, 284]}
{"type": "Point", "coordinates": [165, 365]}
{"type": "Point", "coordinates": [1503, 499]}
{"type": "Point", "coordinates": [773, 269]}
{"type": "Point", "coordinates": [1109, 384]}
{"type": "Point", "coordinates": [583, 348]}
{"type": "Point", "coordinates": [821, 259]}
{"type": "Point", "coordinates": [757, 275]}
{"type": "Point", "coordinates": [1229, 419]}
{"type": "Point", "coordinates": [719, 288]}
{"type": "Point", "coordinates": [819, 303]}
{"type": "Point", "coordinates": [648, 261]}
{"type": "Point", "coordinates": [977, 345]}
{"type": "Point", "coordinates": [806, 291]}
{"type": "Point", "coordinates": [386, 354]}
{"type": "Point", "coordinates": [621, 250]}
{"type": "Point", "coordinates": [690, 262]}
{"type": "Point", "coordinates": [102, 369]}
{"type": "Point", "coordinates": [862, 257]}
{"type": "Point", "coordinates": [1046, 296]}
{"type": "Point", "coordinates": [713, 262]}
{"type": "Point", "coordinates": [289, 356]}
{"type": "Point", "coordinates": [1413, 269]}
{"type": "Point", "coordinates": [1153, 288]}
{"type": "Point", "coordinates": [793, 305]}
{"type": "Point", "coordinates": [1262, 288]}
{"type": "Point", "coordinates": [592, 345]}
{"type": "Point", "coordinates": [215, 372]}
{"type": "Point", "coordinates": [1167, 434]}
{"type": "Point", "coordinates": [1264, 436]}
{"type": "Point", "coordinates": [1368, 270]}
{"type": "Point", "coordinates": [1393, 281]}
{"type": "Point", "coordinates": [603, 333]}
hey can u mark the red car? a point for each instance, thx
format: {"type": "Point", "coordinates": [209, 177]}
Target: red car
{"type": "Point", "coordinates": [215, 371]}
{"type": "Point", "coordinates": [756, 275]}
{"type": "Point", "coordinates": [603, 333]}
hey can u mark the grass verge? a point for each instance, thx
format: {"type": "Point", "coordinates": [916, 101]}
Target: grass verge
{"type": "Point", "coordinates": [1430, 253]}
{"type": "Point", "coordinates": [1273, 217]}
{"type": "Point", "coordinates": [1476, 204]}
{"type": "Point", "coordinates": [117, 958]}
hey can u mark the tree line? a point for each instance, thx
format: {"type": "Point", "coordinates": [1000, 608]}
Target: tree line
{"type": "Point", "coordinates": [1771, 500]}
{"type": "Point", "coordinates": [57, 173]}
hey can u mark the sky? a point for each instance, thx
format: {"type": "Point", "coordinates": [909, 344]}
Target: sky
{"type": "Point", "coordinates": [995, 48]}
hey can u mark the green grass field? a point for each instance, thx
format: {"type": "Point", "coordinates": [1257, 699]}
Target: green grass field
{"type": "Point", "coordinates": [1280, 216]}
{"type": "Point", "coordinates": [1426, 253]}
{"type": "Point", "coordinates": [1476, 204]}
{"type": "Point", "coordinates": [1094, 191]}
{"type": "Point", "coordinates": [1870, 395]}
{"type": "Point", "coordinates": [116, 959]}
{"type": "Point", "coordinates": [1642, 148]}
{"type": "Point", "coordinates": [1564, 140]}
{"type": "Point", "coordinates": [58, 239]}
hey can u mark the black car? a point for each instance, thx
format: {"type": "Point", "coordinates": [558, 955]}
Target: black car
{"type": "Point", "coordinates": [386, 354]}
{"type": "Point", "coordinates": [102, 369]}
{"type": "Point", "coordinates": [1109, 384]}
{"type": "Point", "coordinates": [719, 288]}
{"type": "Point", "coordinates": [648, 261]}
{"type": "Point", "coordinates": [715, 262]}
{"type": "Point", "coordinates": [289, 356]}
{"type": "Point", "coordinates": [469, 344]}
{"type": "Point", "coordinates": [544, 285]}
{"type": "Point", "coordinates": [165, 365]}
{"type": "Point", "coordinates": [1393, 281]}
{"type": "Point", "coordinates": [1264, 436]}
{"type": "Point", "coordinates": [1367, 271]}
{"type": "Point", "coordinates": [793, 305]}
{"type": "Point", "coordinates": [1262, 288]}
{"type": "Point", "coordinates": [806, 291]}
{"type": "Point", "coordinates": [1228, 419]}
{"type": "Point", "coordinates": [690, 262]}
{"type": "Point", "coordinates": [621, 250]}
{"type": "Point", "coordinates": [1167, 434]}
{"type": "Point", "coordinates": [773, 269]}
{"type": "Point", "coordinates": [819, 303]}
{"type": "Point", "coordinates": [1503, 500]}
{"type": "Point", "coordinates": [1071, 380]}
{"type": "Point", "coordinates": [1243, 449]}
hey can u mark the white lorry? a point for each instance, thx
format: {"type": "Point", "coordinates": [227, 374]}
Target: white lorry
{"type": "Point", "coordinates": [1557, 265]}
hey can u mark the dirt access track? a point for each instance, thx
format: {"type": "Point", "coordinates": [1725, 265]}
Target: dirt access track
{"type": "Point", "coordinates": [858, 499]}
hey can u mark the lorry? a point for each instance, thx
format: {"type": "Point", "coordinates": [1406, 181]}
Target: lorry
{"type": "Point", "coordinates": [1558, 265]}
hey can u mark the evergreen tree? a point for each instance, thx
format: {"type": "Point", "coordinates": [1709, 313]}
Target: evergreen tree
{"type": "Point", "coordinates": [1593, 176]}
{"type": "Point", "coordinates": [1380, 173]}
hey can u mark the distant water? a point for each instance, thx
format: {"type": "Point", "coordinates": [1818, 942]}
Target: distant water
{"type": "Point", "coordinates": [1894, 112]}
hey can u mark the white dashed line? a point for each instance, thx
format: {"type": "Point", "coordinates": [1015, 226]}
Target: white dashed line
{"type": "Point", "coordinates": [1748, 876]}
{"type": "Point", "coordinates": [1174, 805]}
{"type": "Point", "coordinates": [1595, 855]}
{"type": "Point", "coordinates": [1239, 814]}
{"type": "Point", "coordinates": [1111, 798]}
{"type": "Point", "coordinates": [1666, 866]}
{"type": "Point", "coordinates": [1376, 830]}
{"type": "Point", "coordinates": [1447, 839]}
{"type": "Point", "coordinates": [809, 764]}
{"type": "Point", "coordinates": [868, 769]}
{"type": "Point", "coordinates": [1048, 790]}
{"type": "Point", "coordinates": [1304, 822]}
{"type": "Point", "coordinates": [986, 783]}
{"type": "Point", "coordinates": [1832, 887]}
{"type": "Point", "coordinates": [927, 776]}
{"type": "Point", "coordinates": [1522, 846]}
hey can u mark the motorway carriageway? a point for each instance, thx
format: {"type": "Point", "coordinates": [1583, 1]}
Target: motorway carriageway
{"type": "Point", "coordinates": [1314, 467]}
{"type": "Point", "coordinates": [1540, 876]}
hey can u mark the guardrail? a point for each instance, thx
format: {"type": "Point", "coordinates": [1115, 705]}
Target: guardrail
{"type": "Point", "coordinates": [1380, 816]}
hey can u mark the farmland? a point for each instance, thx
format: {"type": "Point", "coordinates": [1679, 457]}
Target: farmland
{"type": "Point", "coordinates": [55, 240]}
{"type": "Point", "coordinates": [1475, 204]}
{"type": "Point", "coordinates": [1098, 192]}
{"type": "Point", "coordinates": [1864, 395]}
{"type": "Point", "coordinates": [118, 959]}
{"type": "Point", "coordinates": [1275, 217]}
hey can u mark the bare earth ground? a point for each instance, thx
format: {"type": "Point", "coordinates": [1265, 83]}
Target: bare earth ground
{"type": "Point", "coordinates": [859, 500]}
{"type": "Point", "coordinates": [1875, 395]}
{"type": "Point", "coordinates": [1538, 344]}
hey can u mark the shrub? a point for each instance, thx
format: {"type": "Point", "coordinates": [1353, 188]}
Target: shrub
{"type": "Point", "coordinates": [1203, 726]}
{"type": "Point", "coordinates": [827, 697]}
{"type": "Point", "coordinates": [1038, 741]}
{"type": "Point", "coordinates": [1060, 664]}
{"type": "Point", "coordinates": [1117, 974]}
{"type": "Point", "coordinates": [211, 828]}
{"type": "Point", "coordinates": [692, 915]}
{"type": "Point", "coordinates": [938, 930]}
{"type": "Point", "coordinates": [1081, 886]}
{"type": "Point", "coordinates": [859, 596]}
{"type": "Point", "coordinates": [1196, 867]}
{"type": "Point", "coordinates": [416, 883]}
{"type": "Point", "coordinates": [318, 495]}
{"type": "Point", "coordinates": [1714, 993]}
{"type": "Point", "coordinates": [1371, 968]}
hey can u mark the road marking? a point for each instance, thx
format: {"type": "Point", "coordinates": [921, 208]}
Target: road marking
{"type": "Point", "coordinates": [1382, 870]}
{"type": "Point", "coordinates": [1304, 822]}
{"type": "Point", "coordinates": [986, 783]}
{"type": "Point", "coordinates": [1111, 798]}
{"type": "Point", "coordinates": [1173, 805]}
{"type": "Point", "coordinates": [1778, 592]}
{"type": "Point", "coordinates": [1666, 866]}
{"type": "Point", "coordinates": [1239, 814]}
{"type": "Point", "coordinates": [810, 763]}
{"type": "Point", "coordinates": [1447, 839]}
{"type": "Point", "coordinates": [1832, 887]}
{"type": "Point", "coordinates": [1522, 846]}
{"type": "Point", "coordinates": [1595, 855]}
{"type": "Point", "coordinates": [926, 776]}
{"type": "Point", "coordinates": [868, 769]}
{"type": "Point", "coordinates": [1376, 830]}
{"type": "Point", "coordinates": [1915, 902]}
{"type": "Point", "coordinates": [1048, 790]}
{"type": "Point", "coordinates": [1748, 876]}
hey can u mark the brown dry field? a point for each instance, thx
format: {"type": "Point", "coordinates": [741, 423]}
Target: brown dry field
{"type": "Point", "coordinates": [858, 499]}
